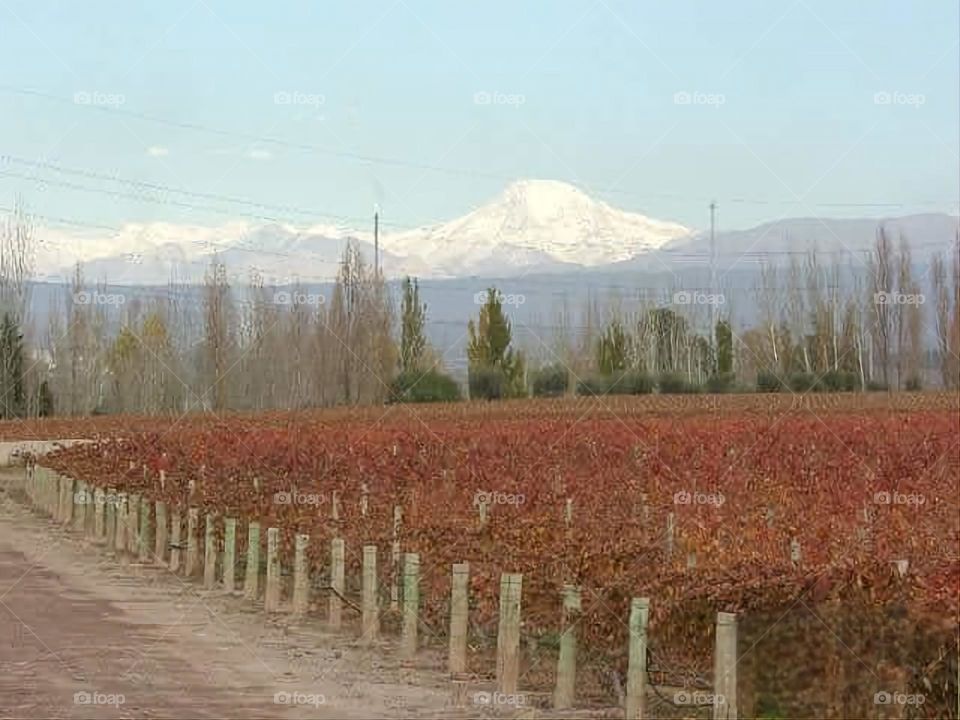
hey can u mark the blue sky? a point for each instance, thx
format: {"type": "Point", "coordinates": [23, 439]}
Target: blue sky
{"type": "Point", "coordinates": [795, 108]}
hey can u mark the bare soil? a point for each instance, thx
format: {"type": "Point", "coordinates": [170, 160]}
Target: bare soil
{"type": "Point", "coordinates": [79, 631]}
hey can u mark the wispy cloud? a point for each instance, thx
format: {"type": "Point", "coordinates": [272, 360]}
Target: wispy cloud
{"type": "Point", "coordinates": [158, 151]}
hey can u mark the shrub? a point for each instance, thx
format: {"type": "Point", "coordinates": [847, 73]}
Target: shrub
{"type": "Point", "coordinates": [428, 386]}
{"type": "Point", "coordinates": [676, 384]}
{"type": "Point", "coordinates": [803, 382]}
{"type": "Point", "coordinates": [550, 381]}
{"type": "Point", "coordinates": [629, 383]}
{"type": "Point", "coordinates": [768, 382]}
{"type": "Point", "coordinates": [876, 386]}
{"type": "Point", "coordinates": [595, 385]}
{"type": "Point", "coordinates": [840, 381]}
{"type": "Point", "coordinates": [914, 384]}
{"type": "Point", "coordinates": [487, 383]}
{"type": "Point", "coordinates": [722, 383]}
{"type": "Point", "coordinates": [638, 383]}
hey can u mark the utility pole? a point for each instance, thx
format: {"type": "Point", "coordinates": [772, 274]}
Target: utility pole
{"type": "Point", "coordinates": [713, 273]}
{"type": "Point", "coordinates": [376, 241]}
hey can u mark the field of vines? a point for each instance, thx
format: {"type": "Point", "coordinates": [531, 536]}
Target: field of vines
{"type": "Point", "coordinates": [795, 513]}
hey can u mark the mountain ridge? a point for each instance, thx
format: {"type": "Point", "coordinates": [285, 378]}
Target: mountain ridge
{"type": "Point", "coordinates": [531, 226]}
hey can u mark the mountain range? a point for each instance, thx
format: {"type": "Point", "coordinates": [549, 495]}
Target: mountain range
{"type": "Point", "coordinates": [533, 226]}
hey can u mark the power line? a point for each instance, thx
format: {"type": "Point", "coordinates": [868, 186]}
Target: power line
{"type": "Point", "coordinates": [677, 255]}
{"type": "Point", "coordinates": [90, 174]}
{"type": "Point", "coordinates": [427, 167]}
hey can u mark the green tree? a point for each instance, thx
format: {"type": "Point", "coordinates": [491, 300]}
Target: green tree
{"type": "Point", "coordinates": [724, 347]}
{"type": "Point", "coordinates": [45, 404]}
{"type": "Point", "coordinates": [413, 314]}
{"type": "Point", "coordinates": [495, 369]}
{"type": "Point", "coordinates": [613, 349]}
{"type": "Point", "coordinates": [12, 395]}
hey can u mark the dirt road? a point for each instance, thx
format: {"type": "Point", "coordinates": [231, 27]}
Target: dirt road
{"type": "Point", "coordinates": [82, 636]}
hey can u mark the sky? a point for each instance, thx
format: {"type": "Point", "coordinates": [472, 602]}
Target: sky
{"type": "Point", "coordinates": [316, 112]}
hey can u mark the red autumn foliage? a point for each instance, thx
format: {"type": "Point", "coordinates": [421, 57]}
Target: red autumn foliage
{"type": "Point", "coordinates": [859, 484]}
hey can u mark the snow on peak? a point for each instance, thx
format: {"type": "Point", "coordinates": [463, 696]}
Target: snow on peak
{"type": "Point", "coordinates": [531, 225]}
{"type": "Point", "coordinates": [535, 223]}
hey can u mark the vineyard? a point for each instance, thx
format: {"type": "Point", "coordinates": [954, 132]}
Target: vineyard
{"type": "Point", "coordinates": [796, 514]}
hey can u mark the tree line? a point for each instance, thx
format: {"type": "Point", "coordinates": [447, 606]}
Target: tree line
{"type": "Point", "coordinates": [258, 347]}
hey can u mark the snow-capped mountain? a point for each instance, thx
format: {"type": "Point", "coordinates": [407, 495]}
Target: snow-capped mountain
{"type": "Point", "coordinates": [534, 223]}
{"type": "Point", "coordinates": [533, 226]}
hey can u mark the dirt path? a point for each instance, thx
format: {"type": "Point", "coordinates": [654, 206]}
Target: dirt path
{"type": "Point", "coordinates": [80, 632]}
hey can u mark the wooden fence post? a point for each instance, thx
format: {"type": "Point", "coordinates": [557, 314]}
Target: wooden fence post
{"type": "Point", "coordinates": [66, 499]}
{"type": "Point", "coordinates": [99, 508]}
{"type": "Point", "coordinates": [508, 635]}
{"type": "Point", "coordinates": [133, 523]}
{"type": "Point", "coordinates": [79, 500]}
{"type": "Point", "coordinates": [176, 541]}
{"type": "Point", "coordinates": [146, 531]}
{"type": "Point", "coordinates": [120, 536]}
{"type": "Point", "coordinates": [457, 657]}
{"type": "Point", "coordinates": [53, 494]}
{"type": "Point", "coordinates": [563, 694]}
{"type": "Point", "coordinates": [90, 515]}
{"type": "Point", "coordinates": [411, 603]}
{"type": "Point", "coordinates": [229, 554]}
{"type": "Point", "coordinates": [301, 576]}
{"type": "Point", "coordinates": [795, 551]}
{"type": "Point", "coordinates": [110, 519]}
{"type": "Point", "coordinates": [251, 576]}
{"type": "Point", "coordinates": [671, 529]}
{"type": "Point", "coordinates": [371, 616]}
{"type": "Point", "coordinates": [395, 558]}
{"type": "Point", "coordinates": [160, 536]}
{"type": "Point", "coordinates": [364, 500]}
{"type": "Point", "coordinates": [725, 668]}
{"type": "Point", "coordinates": [193, 549]}
{"type": "Point", "coordinates": [637, 668]}
{"type": "Point", "coordinates": [271, 595]}
{"type": "Point", "coordinates": [210, 553]}
{"type": "Point", "coordinates": [337, 582]}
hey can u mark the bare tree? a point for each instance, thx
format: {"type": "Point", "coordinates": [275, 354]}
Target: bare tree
{"type": "Point", "coordinates": [17, 260]}
{"type": "Point", "coordinates": [796, 310]}
{"type": "Point", "coordinates": [880, 265]}
{"type": "Point", "coordinates": [218, 326]}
